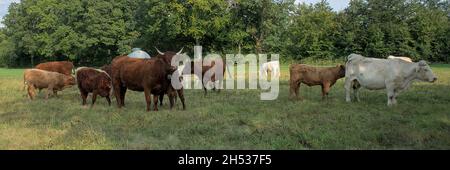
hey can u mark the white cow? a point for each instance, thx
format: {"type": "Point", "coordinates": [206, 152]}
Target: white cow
{"type": "Point", "coordinates": [375, 74]}
{"type": "Point", "coordinates": [272, 66]}
{"type": "Point", "coordinates": [407, 59]}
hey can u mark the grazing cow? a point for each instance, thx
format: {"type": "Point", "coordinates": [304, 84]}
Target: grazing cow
{"type": "Point", "coordinates": [272, 66]}
{"type": "Point", "coordinates": [311, 76]}
{"type": "Point", "coordinates": [63, 67]}
{"type": "Point", "coordinates": [407, 59]}
{"type": "Point", "coordinates": [375, 74]}
{"type": "Point", "coordinates": [171, 91]}
{"type": "Point", "coordinates": [53, 81]}
{"type": "Point", "coordinates": [149, 75]}
{"type": "Point", "coordinates": [107, 69]}
{"type": "Point", "coordinates": [190, 69]}
{"type": "Point", "coordinates": [94, 81]}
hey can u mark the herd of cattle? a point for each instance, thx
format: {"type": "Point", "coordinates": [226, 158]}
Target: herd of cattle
{"type": "Point", "coordinates": [153, 77]}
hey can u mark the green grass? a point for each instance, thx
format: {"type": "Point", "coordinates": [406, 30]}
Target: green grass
{"type": "Point", "coordinates": [231, 119]}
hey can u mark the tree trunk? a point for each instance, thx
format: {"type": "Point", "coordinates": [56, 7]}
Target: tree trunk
{"type": "Point", "coordinates": [258, 47]}
{"type": "Point", "coordinates": [32, 60]}
{"type": "Point", "coordinates": [239, 52]}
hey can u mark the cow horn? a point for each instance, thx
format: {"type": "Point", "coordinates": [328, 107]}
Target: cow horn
{"type": "Point", "coordinates": [159, 51]}
{"type": "Point", "coordinates": [179, 52]}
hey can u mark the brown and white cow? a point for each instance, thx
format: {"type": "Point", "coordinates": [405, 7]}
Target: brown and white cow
{"type": "Point", "coordinates": [375, 74]}
{"type": "Point", "coordinates": [311, 76]}
{"type": "Point", "coordinates": [149, 75]}
{"type": "Point", "coordinates": [63, 67]}
{"type": "Point", "coordinates": [40, 79]}
{"type": "Point", "coordinates": [95, 81]}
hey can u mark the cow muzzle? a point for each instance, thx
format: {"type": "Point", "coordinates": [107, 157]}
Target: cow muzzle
{"type": "Point", "coordinates": [434, 79]}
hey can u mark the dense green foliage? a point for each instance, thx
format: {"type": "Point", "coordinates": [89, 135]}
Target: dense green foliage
{"type": "Point", "coordinates": [92, 32]}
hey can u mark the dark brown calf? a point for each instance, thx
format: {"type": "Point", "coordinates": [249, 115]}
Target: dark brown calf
{"type": "Point", "coordinates": [93, 81]}
{"type": "Point", "coordinates": [311, 76]}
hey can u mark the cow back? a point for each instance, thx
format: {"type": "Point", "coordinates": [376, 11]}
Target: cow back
{"type": "Point", "coordinates": [63, 67]}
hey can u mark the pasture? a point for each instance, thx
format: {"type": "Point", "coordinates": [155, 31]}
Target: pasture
{"type": "Point", "coordinates": [231, 119]}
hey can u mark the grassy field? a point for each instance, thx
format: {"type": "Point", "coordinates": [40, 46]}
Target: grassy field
{"type": "Point", "coordinates": [232, 119]}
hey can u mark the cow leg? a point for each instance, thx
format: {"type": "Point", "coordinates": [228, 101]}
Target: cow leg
{"type": "Point", "coordinates": [181, 95]}
{"type": "Point", "coordinates": [204, 88]}
{"type": "Point", "coordinates": [117, 95]}
{"type": "Point", "coordinates": [55, 93]}
{"type": "Point", "coordinates": [161, 98]}
{"type": "Point", "coordinates": [297, 90]}
{"type": "Point", "coordinates": [356, 91]}
{"type": "Point", "coordinates": [109, 100]}
{"type": "Point", "coordinates": [220, 85]}
{"type": "Point", "coordinates": [155, 102]}
{"type": "Point", "coordinates": [123, 90]}
{"type": "Point", "coordinates": [31, 91]}
{"type": "Point", "coordinates": [50, 88]}
{"type": "Point", "coordinates": [325, 90]}
{"type": "Point", "coordinates": [171, 100]}
{"type": "Point", "coordinates": [394, 98]}
{"type": "Point", "coordinates": [390, 95]}
{"type": "Point", "coordinates": [348, 89]}
{"type": "Point", "coordinates": [84, 96]}
{"type": "Point", "coordinates": [175, 96]}
{"type": "Point", "coordinates": [94, 97]}
{"type": "Point", "coordinates": [117, 91]}
{"type": "Point", "coordinates": [148, 99]}
{"type": "Point", "coordinates": [295, 87]}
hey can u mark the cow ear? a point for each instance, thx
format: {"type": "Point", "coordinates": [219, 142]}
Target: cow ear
{"type": "Point", "coordinates": [422, 63]}
{"type": "Point", "coordinates": [417, 68]}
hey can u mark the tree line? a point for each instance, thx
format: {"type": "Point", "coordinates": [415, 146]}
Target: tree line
{"type": "Point", "coordinates": [92, 32]}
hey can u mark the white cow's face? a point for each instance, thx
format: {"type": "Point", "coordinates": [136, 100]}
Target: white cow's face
{"type": "Point", "coordinates": [424, 72]}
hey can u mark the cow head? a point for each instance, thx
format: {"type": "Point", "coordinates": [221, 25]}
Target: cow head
{"type": "Point", "coordinates": [104, 85]}
{"type": "Point", "coordinates": [341, 72]}
{"type": "Point", "coordinates": [424, 72]}
{"type": "Point", "coordinates": [69, 81]}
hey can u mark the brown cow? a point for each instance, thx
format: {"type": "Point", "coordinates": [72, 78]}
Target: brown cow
{"type": "Point", "coordinates": [93, 81]}
{"type": "Point", "coordinates": [148, 75]}
{"type": "Point", "coordinates": [107, 68]}
{"type": "Point", "coordinates": [53, 81]}
{"type": "Point", "coordinates": [311, 76]}
{"type": "Point", "coordinates": [171, 92]}
{"type": "Point", "coordinates": [190, 69]}
{"type": "Point", "coordinates": [63, 67]}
